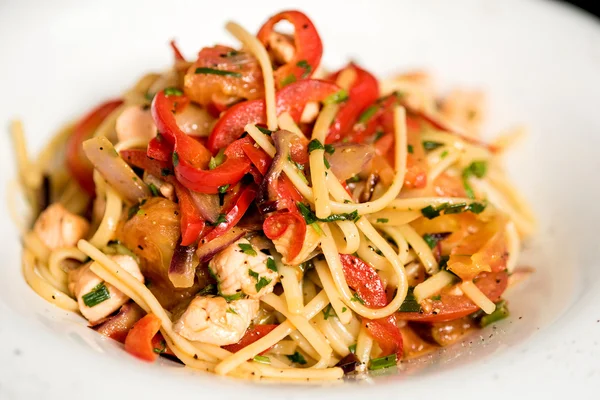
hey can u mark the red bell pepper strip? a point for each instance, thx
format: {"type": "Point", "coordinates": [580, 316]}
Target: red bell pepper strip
{"type": "Point", "coordinates": [292, 99]}
{"type": "Point", "coordinates": [190, 158]}
{"type": "Point", "coordinates": [308, 45]}
{"type": "Point", "coordinates": [364, 91]}
{"type": "Point", "coordinates": [233, 216]}
{"type": "Point", "coordinates": [279, 222]}
{"type": "Point", "coordinates": [139, 339]}
{"type": "Point", "coordinates": [245, 147]}
{"type": "Point", "coordinates": [80, 167]}
{"type": "Point", "coordinates": [192, 222]}
{"type": "Point", "coordinates": [138, 158]}
{"type": "Point", "coordinates": [251, 336]}
{"type": "Point", "coordinates": [368, 286]}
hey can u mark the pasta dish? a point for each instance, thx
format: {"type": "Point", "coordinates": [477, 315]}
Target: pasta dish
{"type": "Point", "coordinates": [254, 215]}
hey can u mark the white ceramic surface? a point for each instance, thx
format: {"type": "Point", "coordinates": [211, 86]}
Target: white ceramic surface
{"type": "Point", "coordinates": [539, 62]}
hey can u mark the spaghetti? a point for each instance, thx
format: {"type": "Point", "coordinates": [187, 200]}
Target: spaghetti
{"type": "Point", "coordinates": [249, 220]}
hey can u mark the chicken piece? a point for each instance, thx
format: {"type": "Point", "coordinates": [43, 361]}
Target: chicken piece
{"type": "Point", "coordinates": [165, 188]}
{"type": "Point", "coordinates": [135, 123]}
{"type": "Point", "coordinates": [464, 109]}
{"type": "Point", "coordinates": [57, 227]}
{"type": "Point", "coordinates": [215, 321]}
{"type": "Point", "coordinates": [242, 268]}
{"type": "Point", "coordinates": [89, 288]}
{"type": "Point", "coordinates": [281, 48]}
{"type": "Point", "coordinates": [311, 241]}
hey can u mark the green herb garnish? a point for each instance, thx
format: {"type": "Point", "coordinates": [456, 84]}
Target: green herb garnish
{"type": "Point", "coordinates": [175, 159]}
{"type": "Point", "coordinates": [172, 91]}
{"type": "Point", "coordinates": [262, 359]}
{"type": "Point", "coordinates": [307, 68]}
{"type": "Point", "coordinates": [382, 220]}
{"type": "Point", "coordinates": [431, 212]}
{"type": "Point", "coordinates": [210, 289]}
{"type": "Point", "coordinates": [271, 264]}
{"type": "Point", "coordinates": [429, 145]}
{"type": "Point", "coordinates": [352, 348]}
{"type": "Point", "coordinates": [232, 297]}
{"type": "Point", "coordinates": [265, 130]}
{"type": "Point", "coordinates": [223, 189]}
{"type": "Point", "coordinates": [336, 98]}
{"type": "Point", "coordinates": [353, 179]}
{"type": "Point", "coordinates": [162, 348]}
{"type": "Point", "coordinates": [297, 358]}
{"type": "Point", "coordinates": [367, 114]}
{"type": "Point", "coordinates": [328, 312]}
{"type": "Point", "coordinates": [96, 296]}
{"type": "Point", "coordinates": [247, 249]}
{"type": "Point", "coordinates": [410, 303]}
{"type": "Point", "coordinates": [203, 70]}
{"type": "Point", "coordinates": [383, 362]}
{"type": "Point", "coordinates": [356, 297]}
{"type": "Point", "coordinates": [153, 189]}
{"type": "Point", "coordinates": [288, 79]}
{"type": "Point", "coordinates": [217, 160]}
{"type": "Point", "coordinates": [410, 149]}
{"type": "Point", "coordinates": [315, 144]}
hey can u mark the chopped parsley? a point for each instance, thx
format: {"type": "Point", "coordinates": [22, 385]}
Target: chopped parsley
{"type": "Point", "coordinates": [431, 212]}
{"type": "Point", "coordinates": [315, 144]}
{"type": "Point", "coordinates": [368, 114]}
{"type": "Point", "coordinates": [210, 289]}
{"type": "Point", "coordinates": [377, 136]}
{"type": "Point", "coordinates": [220, 219]}
{"type": "Point", "coordinates": [336, 98]}
{"type": "Point", "coordinates": [307, 68]}
{"type": "Point", "coordinates": [311, 218]}
{"type": "Point", "coordinates": [297, 358]}
{"type": "Point", "coordinates": [232, 297]}
{"type": "Point", "coordinates": [410, 148]}
{"type": "Point", "coordinates": [217, 160]}
{"type": "Point", "coordinates": [436, 297]}
{"type": "Point", "coordinates": [444, 154]}
{"type": "Point", "coordinates": [166, 172]}
{"type": "Point", "coordinates": [153, 189]}
{"type": "Point", "coordinates": [248, 249]}
{"type": "Point", "coordinates": [223, 189]}
{"type": "Point", "coordinates": [96, 296]}
{"type": "Point", "coordinates": [296, 164]}
{"type": "Point", "coordinates": [356, 297]}
{"type": "Point", "coordinates": [499, 313]}
{"type": "Point", "coordinates": [431, 240]}
{"type": "Point", "coordinates": [326, 163]}
{"type": "Point", "coordinates": [162, 348]}
{"type": "Point", "coordinates": [230, 53]}
{"type": "Point", "coordinates": [262, 359]}
{"type": "Point", "coordinates": [353, 179]}
{"type": "Point", "coordinates": [352, 348]}
{"type": "Point", "coordinates": [271, 264]}
{"type": "Point", "coordinates": [410, 303]}
{"type": "Point", "coordinates": [291, 78]}
{"type": "Point", "coordinates": [261, 283]}
{"type": "Point", "coordinates": [382, 220]}
{"type": "Point", "coordinates": [172, 91]}
{"type": "Point", "coordinates": [266, 131]}
{"type": "Point", "coordinates": [383, 362]}
{"type": "Point", "coordinates": [328, 312]}
{"type": "Point", "coordinates": [204, 70]}
{"type": "Point", "coordinates": [231, 311]}
{"type": "Point", "coordinates": [477, 169]}
{"type": "Point", "coordinates": [429, 145]}
{"type": "Point", "coordinates": [175, 159]}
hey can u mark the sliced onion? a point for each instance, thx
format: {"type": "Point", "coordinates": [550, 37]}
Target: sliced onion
{"type": "Point", "coordinates": [350, 159]}
{"type": "Point", "coordinates": [115, 170]}
{"type": "Point", "coordinates": [183, 266]}
{"type": "Point", "coordinates": [208, 250]}
{"type": "Point", "coordinates": [208, 205]}
{"type": "Point", "coordinates": [283, 142]}
{"type": "Point", "coordinates": [194, 120]}
{"type": "Point", "coordinates": [117, 326]}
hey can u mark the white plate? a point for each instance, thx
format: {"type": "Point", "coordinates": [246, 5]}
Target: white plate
{"type": "Point", "coordinates": [540, 64]}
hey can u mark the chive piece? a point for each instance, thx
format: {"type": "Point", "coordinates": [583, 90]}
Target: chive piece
{"type": "Point", "coordinates": [288, 79]}
{"type": "Point", "coordinates": [315, 144]}
{"type": "Point", "coordinates": [430, 212]}
{"type": "Point", "coordinates": [203, 70]}
{"type": "Point", "coordinates": [444, 263]}
{"type": "Point", "coordinates": [328, 312]}
{"type": "Point", "coordinates": [265, 130]}
{"type": "Point", "coordinates": [223, 189]}
{"type": "Point", "coordinates": [431, 240]}
{"type": "Point", "coordinates": [175, 159]}
{"type": "Point", "coordinates": [220, 219]}
{"type": "Point", "coordinates": [383, 362]}
{"type": "Point", "coordinates": [210, 289]}
{"type": "Point", "coordinates": [353, 179]}
{"type": "Point", "coordinates": [475, 208]}
{"type": "Point", "coordinates": [233, 297]}
{"type": "Point", "coordinates": [166, 172]}
{"type": "Point", "coordinates": [326, 163]}
{"type": "Point", "coordinates": [455, 208]}
{"type": "Point", "coordinates": [382, 220]}
{"type": "Point", "coordinates": [309, 216]}
{"type": "Point", "coordinates": [367, 114]}
{"type": "Point", "coordinates": [344, 309]}
{"type": "Point", "coordinates": [429, 145]}
{"type": "Point", "coordinates": [500, 313]}
{"type": "Point", "coordinates": [353, 216]}
{"type": "Point", "coordinates": [133, 211]}
{"type": "Point", "coordinates": [297, 358]}
{"type": "Point", "coordinates": [410, 303]}
{"type": "Point", "coordinates": [436, 297]}
{"type": "Point", "coordinates": [336, 98]}
{"type": "Point", "coordinates": [307, 68]}
{"type": "Point", "coordinates": [261, 283]}
{"type": "Point", "coordinates": [172, 91]}
{"type": "Point", "coordinates": [296, 164]}
{"type": "Point", "coordinates": [231, 311]}
{"type": "Point", "coordinates": [217, 160]}
{"type": "Point", "coordinates": [352, 348]}
{"type": "Point", "coordinates": [271, 264]}
{"type": "Point", "coordinates": [477, 168]}
{"type": "Point", "coordinates": [247, 249]}
{"type": "Point", "coordinates": [153, 189]}
{"type": "Point", "coordinates": [162, 348]}
{"type": "Point", "coordinates": [262, 359]}
{"type": "Point", "coordinates": [96, 296]}
{"type": "Point", "coordinates": [329, 149]}
{"type": "Point", "coordinates": [444, 154]}
{"type": "Point", "coordinates": [410, 149]}
{"type": "Point", "coordinates": [356, 297]}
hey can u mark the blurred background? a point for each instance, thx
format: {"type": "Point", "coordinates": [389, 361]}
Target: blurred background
{"type": "Point", "coordinates": [589, 6]}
